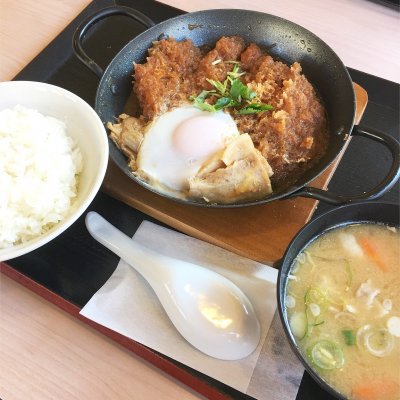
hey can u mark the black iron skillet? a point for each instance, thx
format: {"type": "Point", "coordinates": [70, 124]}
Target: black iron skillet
{"type": "Point", "coordinates": [285, 41]}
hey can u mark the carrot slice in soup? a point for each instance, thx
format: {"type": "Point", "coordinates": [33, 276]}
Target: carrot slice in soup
{"type": "Point", "coordinates": [386, 389]}
{"type": "Point", "coordinates": [372, 252]}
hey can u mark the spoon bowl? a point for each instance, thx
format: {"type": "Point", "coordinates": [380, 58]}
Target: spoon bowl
{"type": "Point", "coordinates": [206, 308]}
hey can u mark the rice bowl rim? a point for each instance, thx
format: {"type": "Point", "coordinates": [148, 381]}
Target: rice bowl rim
{"type": "Point", "coordinates": [101, 154]}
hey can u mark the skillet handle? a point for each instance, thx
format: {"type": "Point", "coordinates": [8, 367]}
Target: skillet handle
{"type": "Point", "coordinates": [85, 25]}
{"type": "Point", "coordinates": [386, 184]}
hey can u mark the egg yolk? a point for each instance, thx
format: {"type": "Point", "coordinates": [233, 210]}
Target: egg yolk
{"type": "Point", "coordinates": [200, 136]}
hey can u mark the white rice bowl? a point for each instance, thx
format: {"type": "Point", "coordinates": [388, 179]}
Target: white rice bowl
{"type": "Point", "coordinates": [52, 163]}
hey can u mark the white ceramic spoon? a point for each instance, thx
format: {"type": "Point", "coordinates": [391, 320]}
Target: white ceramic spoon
{"type": "Point", "coordinates": [207, 309]}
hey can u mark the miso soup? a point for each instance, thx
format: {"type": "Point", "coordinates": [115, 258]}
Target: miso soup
{"type": "Point", "coordinates": [343, 306]}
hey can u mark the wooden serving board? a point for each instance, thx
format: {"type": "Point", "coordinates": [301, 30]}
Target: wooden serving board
{"type": "Point", "coordinates": [260, 232]}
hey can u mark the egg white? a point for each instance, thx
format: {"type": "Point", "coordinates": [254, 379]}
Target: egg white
{"type": "Point", "coordinates": [177, 143]}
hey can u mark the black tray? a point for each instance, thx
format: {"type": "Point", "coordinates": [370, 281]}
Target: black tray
{"type": "Point", "coordinates": [74, 266]}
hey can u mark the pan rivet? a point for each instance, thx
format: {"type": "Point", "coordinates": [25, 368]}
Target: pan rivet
{"type": "Point", "coordinates": [114, 89]}
{"type": "Point", "coordinates": [163, 36]}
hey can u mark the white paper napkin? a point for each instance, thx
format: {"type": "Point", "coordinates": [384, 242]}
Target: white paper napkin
{"type": "Point", "coordinates": [127, 304]}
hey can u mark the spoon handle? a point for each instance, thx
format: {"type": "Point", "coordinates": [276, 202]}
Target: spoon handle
{"type": "Point", "coordinates": [145, 261]}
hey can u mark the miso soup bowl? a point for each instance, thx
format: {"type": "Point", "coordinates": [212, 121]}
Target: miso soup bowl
{"type": "Point", "coordinates": [385, 213]}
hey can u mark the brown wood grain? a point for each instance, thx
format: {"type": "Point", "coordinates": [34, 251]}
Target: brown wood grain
{"type": "Point", "coordinates": [260, 232]}
{"type": "Point", "coordinates": [27, 26]}
{"type": "Point", "coordinates": [50, 353]}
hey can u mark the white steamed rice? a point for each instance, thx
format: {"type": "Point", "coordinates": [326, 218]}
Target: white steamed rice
{"type": "Point", "coordinates": [39, 164]}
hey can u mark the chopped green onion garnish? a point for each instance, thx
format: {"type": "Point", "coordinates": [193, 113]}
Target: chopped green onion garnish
{"type": "Point", "coordinates": [326, 355]}
{"type": "Point", "coordinates": [255, 108]}
{"type": "Point", "coordinates": [349, 274]}
{"type": "Point", "coordinates": [315, 295]}
{"type": "Point", "coordinates": [349, 337]}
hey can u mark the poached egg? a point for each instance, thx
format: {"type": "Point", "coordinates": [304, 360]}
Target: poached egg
{"type": "Point", "coordinates": [177, 143]}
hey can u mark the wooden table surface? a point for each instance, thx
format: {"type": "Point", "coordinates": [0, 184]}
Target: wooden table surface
{"type": "Point", "coordinates": [45, 353]}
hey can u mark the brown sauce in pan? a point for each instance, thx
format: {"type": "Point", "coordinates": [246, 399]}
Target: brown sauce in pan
{"type": "Point", "coordinates": [292, 137]}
